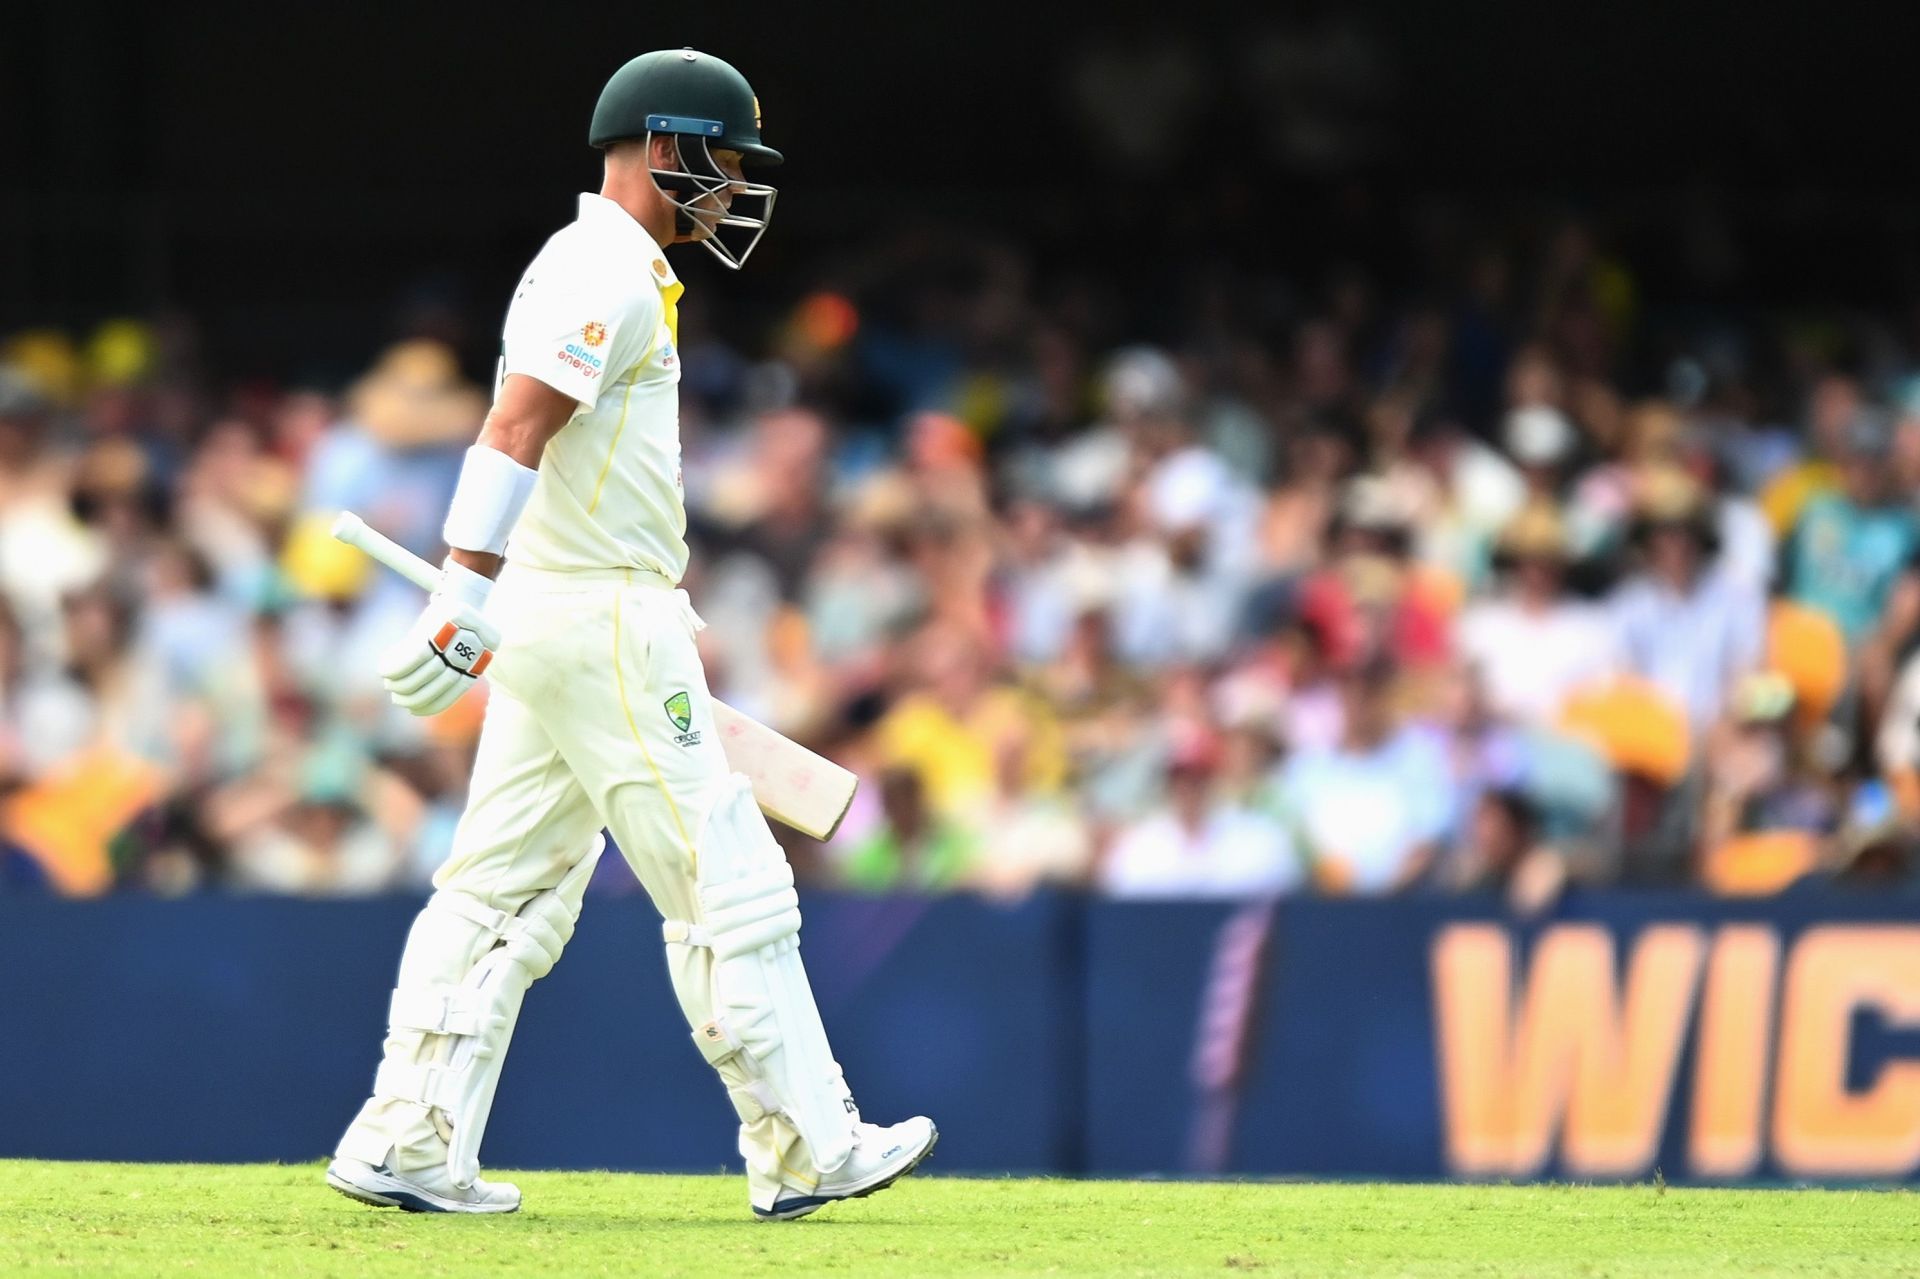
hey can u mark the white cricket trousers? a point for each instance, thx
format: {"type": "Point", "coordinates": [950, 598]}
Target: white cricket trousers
{"type": "Point", "coordinates": [598, 715]}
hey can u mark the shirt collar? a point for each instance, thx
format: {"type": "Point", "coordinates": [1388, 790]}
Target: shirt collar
{"type": "Point", "coordinates": [647, 254]}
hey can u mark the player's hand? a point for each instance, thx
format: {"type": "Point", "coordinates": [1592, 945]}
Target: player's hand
{"type": "Point", "coordinates": [445, 652]}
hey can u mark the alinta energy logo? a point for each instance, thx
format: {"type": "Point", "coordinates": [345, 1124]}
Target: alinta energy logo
{"type": "Point", "coordinates": [579, 355]}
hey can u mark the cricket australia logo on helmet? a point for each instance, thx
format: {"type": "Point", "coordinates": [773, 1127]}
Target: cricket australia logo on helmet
{"type": "Point", "coordinates": [704, 105]}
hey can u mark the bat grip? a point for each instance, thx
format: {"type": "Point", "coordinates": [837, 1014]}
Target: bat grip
{"type": "Point", "coordinates": [356, 532]}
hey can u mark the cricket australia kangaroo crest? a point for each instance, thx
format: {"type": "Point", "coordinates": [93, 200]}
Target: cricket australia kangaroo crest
{"type": "Point", "coordinates": [680, 712]}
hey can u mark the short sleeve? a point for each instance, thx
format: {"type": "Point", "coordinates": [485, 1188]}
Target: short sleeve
{"type": "Point", "coordinates": [576, 339]}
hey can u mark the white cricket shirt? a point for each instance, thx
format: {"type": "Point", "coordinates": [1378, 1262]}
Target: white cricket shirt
{"type": "Point", "coordinates": [594, 317]}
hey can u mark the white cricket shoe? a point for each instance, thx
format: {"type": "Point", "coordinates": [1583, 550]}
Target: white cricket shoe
{"type": "Point", "coordinates": [419, 1189]}
{"type": "Point", "coordinates": [881, 1156]}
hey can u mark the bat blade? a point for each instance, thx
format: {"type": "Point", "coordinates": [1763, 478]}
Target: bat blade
{"type": "Point", "coordinates": [793, 785]}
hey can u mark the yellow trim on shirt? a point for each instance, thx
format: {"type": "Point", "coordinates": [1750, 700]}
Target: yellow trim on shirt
{"type": "Point", "coordinates": [670, 305]}
{"type": "Point", "coordinates": [620, 684]}
{"type": "Point", "coordinates": [625, 402]}
{"type": "Point", "coordinates": [673, 328]}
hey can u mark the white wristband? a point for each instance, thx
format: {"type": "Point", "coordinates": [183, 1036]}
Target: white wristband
{"type": "Point", "coordinates": [462, 583]}
{"type": "Point", "coordinates": [487, 502]}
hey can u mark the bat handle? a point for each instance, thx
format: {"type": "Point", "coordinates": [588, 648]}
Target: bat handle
{"type": "Point", "coordinates": [356, 532]}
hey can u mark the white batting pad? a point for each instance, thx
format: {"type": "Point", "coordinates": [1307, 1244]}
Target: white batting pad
{"type": "Point", "coordinates": [476, 1015]}
{"type": "Point", "coordinates": [765, 1036]}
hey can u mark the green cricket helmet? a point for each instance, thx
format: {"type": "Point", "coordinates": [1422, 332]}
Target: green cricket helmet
{"type": "Point", "coordinates": [705, 105]}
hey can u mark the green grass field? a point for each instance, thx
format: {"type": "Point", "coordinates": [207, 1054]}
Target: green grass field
{"type": "Point", "coordinates": [148, 1219]}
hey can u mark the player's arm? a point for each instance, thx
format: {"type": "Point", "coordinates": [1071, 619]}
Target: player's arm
{"type": "Point", "coordinates": [560, 337]}
{"type": "Point", "coordinates": [526, 414]}
{"type": "Point", "coordinates": [446, 651]}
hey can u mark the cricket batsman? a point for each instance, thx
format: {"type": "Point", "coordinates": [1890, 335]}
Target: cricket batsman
{"type": "Point", "coordinates": [599, 713]}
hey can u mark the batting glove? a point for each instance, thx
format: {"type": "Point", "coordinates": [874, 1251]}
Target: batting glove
{"type": "Point", "coordinates": [446, 651]}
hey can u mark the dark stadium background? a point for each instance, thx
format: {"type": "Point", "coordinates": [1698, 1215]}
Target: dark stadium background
{"type": "Point", "coordinates": [296, 176]}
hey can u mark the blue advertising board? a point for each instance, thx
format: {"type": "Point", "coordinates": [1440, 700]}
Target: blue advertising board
{"type": "Point", "coordinates": [1711, 1040]}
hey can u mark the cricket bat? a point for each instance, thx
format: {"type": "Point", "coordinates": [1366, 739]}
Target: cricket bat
{"type": "Point", "coordinates": [792, 784]}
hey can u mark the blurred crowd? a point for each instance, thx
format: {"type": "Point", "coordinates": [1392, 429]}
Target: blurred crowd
{"type": "Point", "coordinates": [1510, 583]}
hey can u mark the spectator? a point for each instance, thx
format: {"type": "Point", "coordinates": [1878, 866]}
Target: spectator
{"type": "Point", "coordinates": [1601, 506]}
{"type": "Point", "coordinates": [1373, 597]}
{"type": "Point", "coordinates": [1542, 443]}
{"type": "Point", "coordinates": [1503, 853]}
{"type": "Point", "coordinates": [1896, 741]}
{"type": "Point", "coordinates": [915, 849]}
{"type": "Point", "coordinates": [1200, 844]}
{"type": "Point", "coordinates": [396, 454]}
{"type": "Point", "coordinates": [1645, 735]}
{"type": "Point", "coordinates": [773, 501]}
{"type": "Point", "coordinates": [46, 552]}
{"type": "Point", "coordinates": [320, 845]}
{"type": "Point", "coordinates": [1685, 625]}
{"type": "Point", "coordinates": [1877, 850]}
{"type": "Point", "coordinates": [1850, 544]}
{"type": "Point", "coordinates": [1852, 556]}
{"type": "Point", "coordinates": [946, 727]}
{"type": "Point", "coordinates": [1186, 574]}
{"type": "Point", "coordinates": [1533, 643]}
{"type": "Point", "coordinates": [1026, 838]}
{"type": "Point", "coordinates": [1835, 404]}
{"type": "Point", "coordinates": [1423, 544]}
{"type": "Point", "coordinates": [1048, 578]}
{"type": "Point", "coordinates": [860, 594]}
{"type": "Point", "coordinates": [1144, 393]}
{"type": "Point", "coordinates": [1374, 808]}
{"type": "Point", "coordinates": [1478, 493]}
{"type": "Point", "coordinates": [1766, 809]}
